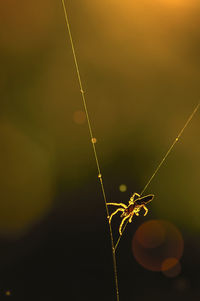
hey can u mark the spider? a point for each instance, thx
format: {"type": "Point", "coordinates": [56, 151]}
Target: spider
{"type": "Point", "coordinates": [136, 202]}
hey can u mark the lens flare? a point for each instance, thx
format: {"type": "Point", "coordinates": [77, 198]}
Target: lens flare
{"type": "Point", "coordinates": [7, 293]}
{"type": "Point", "coordinates": [171, 267]}
{"type": "Point", "coordinates": [122, 187]}
{"type": "Point", "coordinates": [151, 234]}
{"type": "Point", "coordinates": [156, 243]}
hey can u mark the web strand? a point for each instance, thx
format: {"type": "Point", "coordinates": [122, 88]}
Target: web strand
{"type": "Point", "coordinates": [162, 161]}
{"type": "Point", "coordinates": [170, 149]}
{"type": "Point", "coordinates": [93, 141]}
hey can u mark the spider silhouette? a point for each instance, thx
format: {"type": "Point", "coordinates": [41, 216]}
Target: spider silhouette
{"type": "Point", "coordinates": [136, 203]}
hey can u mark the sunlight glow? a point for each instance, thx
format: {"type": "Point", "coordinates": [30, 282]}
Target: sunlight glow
{"type": "Point", "coordinates": [122, 187]}
{"type": "Point", "coordinates": [176, 2]}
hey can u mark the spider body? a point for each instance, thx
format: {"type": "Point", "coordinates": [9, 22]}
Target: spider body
{"type": "Point", "coordinates": [136, 203]}
{"type": "Point", "coordinates": [128, 210]}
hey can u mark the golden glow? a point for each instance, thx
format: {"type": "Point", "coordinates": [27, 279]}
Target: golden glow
{"type": "Point", "coordinates": [8, 293]}
{"type": "Point", "coordinates": [94, 140]}
{"type": "Point", "coordinates": [122, 187]}
{"type": "Point", "coordinates": [176, 2]}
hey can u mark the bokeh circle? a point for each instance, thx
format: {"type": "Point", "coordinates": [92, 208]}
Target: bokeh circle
{"type": "Point", "coordinates": [158, 245]}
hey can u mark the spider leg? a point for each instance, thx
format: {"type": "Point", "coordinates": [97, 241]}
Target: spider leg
{"type": "Point", "coordinates": [134, 195]}
{"type": "Point", "coordinates": [110, 217]}
{"type": "Point", "coordinates": [122, 222]}
{"type": "Point", "coordinates": [146, 210]}
{"type": "Point", "coordinates": [117, 204]}
{"type": "Point", "coordinates": [130, 219]}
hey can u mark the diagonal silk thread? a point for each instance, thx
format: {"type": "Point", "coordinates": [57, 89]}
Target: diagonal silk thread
{"type": "Point", "coordinates": [163, 160]}
{"type": "Point", "coordinates": [93, 140]}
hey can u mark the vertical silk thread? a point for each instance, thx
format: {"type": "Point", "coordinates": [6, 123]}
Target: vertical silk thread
{"type": "Point", "coordinates": [93, 140]}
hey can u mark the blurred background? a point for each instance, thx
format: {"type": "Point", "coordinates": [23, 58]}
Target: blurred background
{"type": "Point", "coordinates": [139, 62]}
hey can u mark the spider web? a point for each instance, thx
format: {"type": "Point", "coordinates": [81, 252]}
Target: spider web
{"type": "Point", "coordinates": [93, 141]}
